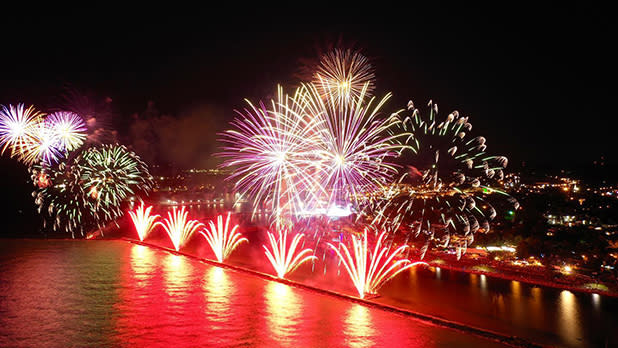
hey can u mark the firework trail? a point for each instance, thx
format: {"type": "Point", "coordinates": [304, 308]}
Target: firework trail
{"type": "Point", "coordinates": [445, 192]}
{"type": "Point", "coordinates": [342, 75]}
{"type": "Point", "coordinates": [285, 259]}
{"type": "Point", "coordinates": [370, 270]}
{"type": "Point", "coordinates": [143, 221]}
{"type": "Point", "coordinates": [221, 239]}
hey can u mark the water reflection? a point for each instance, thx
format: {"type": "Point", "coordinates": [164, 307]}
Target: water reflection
{"type": "Point", "coordinates": [142, 264]}
{"type": "Point", "coordinates": [283, 312]}
{"type": "Point", "coordinates": [358, 327]}
{"type": "Point", "coordinates": [177, 272]}
{"type": "Point", "coordinates": [218, 291]}
{"type": "Point", "coordinates": [569, 325]}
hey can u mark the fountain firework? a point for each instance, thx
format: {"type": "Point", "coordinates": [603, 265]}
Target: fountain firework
{"type": "Point", "coordinates": [144, 221]}
{"type": "Point", "coordinates": [370, 270]}
{"type": "Point", "coordinates": [178, 228]}
{"type": "Point", "coordinates": [285, 259]}
{"type": "Point", "coordinates": [221, 239]}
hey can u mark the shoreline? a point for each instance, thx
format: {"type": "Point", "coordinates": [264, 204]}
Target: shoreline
{"type": "Point", "coordinates": [538, 282]}
{"type": "Point", "coordinates": [428, 319]}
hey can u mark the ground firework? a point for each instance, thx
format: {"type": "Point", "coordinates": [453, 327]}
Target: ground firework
{"type": "Point", "coordinates": [178, 228]}
{"type": "Point", "coordinates": [283, 257]}
{"type": "Point", "coordinates": [370, 270]}
{"type": "Point", "coordinates": [221, 239]}
{"type": "Point", "coordinates": [143, 221]}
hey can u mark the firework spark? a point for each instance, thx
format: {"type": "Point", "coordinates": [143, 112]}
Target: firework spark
{"type": "Point", "coordinates": [178, 228]}
{"type": "Point", "coordinates": [285, 259]}
{"type": "Point", "coordinates": [343, 75]}
{"type": "Point", "coordinates": [222, 240]}
{"type": "Point", "coordinates": [18, 127]}
{"type": "Point", "coordinates": [143, 221]}
{"type": "Point", "coordinates": [370, 270]}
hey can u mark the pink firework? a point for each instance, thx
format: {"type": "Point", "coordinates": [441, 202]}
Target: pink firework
{"type": "Point", "coordinates": [273, 150]}
{"type": "Point", "coordinates": [69, 128]}
{"type": "Point", "coordinates": [355, 144]}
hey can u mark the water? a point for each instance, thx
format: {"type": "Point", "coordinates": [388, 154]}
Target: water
{"type": "Point", "coordinates": [113, 293]}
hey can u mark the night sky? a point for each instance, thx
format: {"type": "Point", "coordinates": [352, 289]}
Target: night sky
{"type": "Point", "coordinates": [535, 81]}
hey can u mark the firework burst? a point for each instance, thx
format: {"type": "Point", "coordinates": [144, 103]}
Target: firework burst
{"type": "Point", "coordinates": [283, 257]}
{"type": "Point", "coordinates": [18, 127]}
{"type": "Point", "coordinates": [221, 239]}
{"type": "Point", "coordinates": [355, 144]}
{"type": "Point", "coordinates": [87, 190]}
{"type": "Point", "coordinates": [342, 75]}
{"type": "Point", "coordinates": [143, 221]}
{"type": "Point", "coordinates": [445, 192]}
{"type": "Point", "coordinates": [179, 228]}
{"type": "Point", "coordinates": [272, 149]}
{"type": "Point", "coordinates": [370, 270]}
{"type": "Point", "coordinates": [69, 128]}
{"type": "Point", "coordinates": [109, 174]}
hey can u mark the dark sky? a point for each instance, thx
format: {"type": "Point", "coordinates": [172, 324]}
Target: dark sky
{"type": "Point", "coordinates": [535, 81]}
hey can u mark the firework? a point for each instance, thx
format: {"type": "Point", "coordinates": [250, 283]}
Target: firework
{"type": "Point", "coordinates": [18, 127]}
{"type": "Point", "coordinates": [144, 221]}
{"type": "Point", "coordinates": [109, 174]}
{"type": "Point", "coordinates": [370, 270]}
{"type": "Point", "coordinates": [43, 146]}
{"type": "Point", "coordinates": [285, 259]}
{"type": "Point", "coordinates": [178, 228]}
{"type": "Point", "coordinates": [444, 193]}
{"type": "Point", "coordinates": [69, 128]}
{"type": "Point", "coordinates": [273, 151]}
{"type": "Point", "coordinates": [60, 196]}
{"type": "Point", "coordinates": [221, 239]}
{"type": "Point", "coordinates": [342, 75]}
{"type": "Point", "coordinates": [355, 144]}
{"type": "Point", "coordinates": [87, 190]}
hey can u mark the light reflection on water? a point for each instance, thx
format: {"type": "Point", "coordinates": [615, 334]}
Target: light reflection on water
{"type": "Point", "coordinates": [283, 312]}
{"type": "Point", "coordinates": [570, 327]}
{"type": "Point", "coordinates": [112, 293]}
{"type": "Point", "coordinates": [358, 327]}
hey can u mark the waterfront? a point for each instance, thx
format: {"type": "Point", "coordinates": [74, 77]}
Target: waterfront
{"type": "Point", "coordinates": [85, 293]}
{"type": "Point", "coordinates": [113, 293]}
